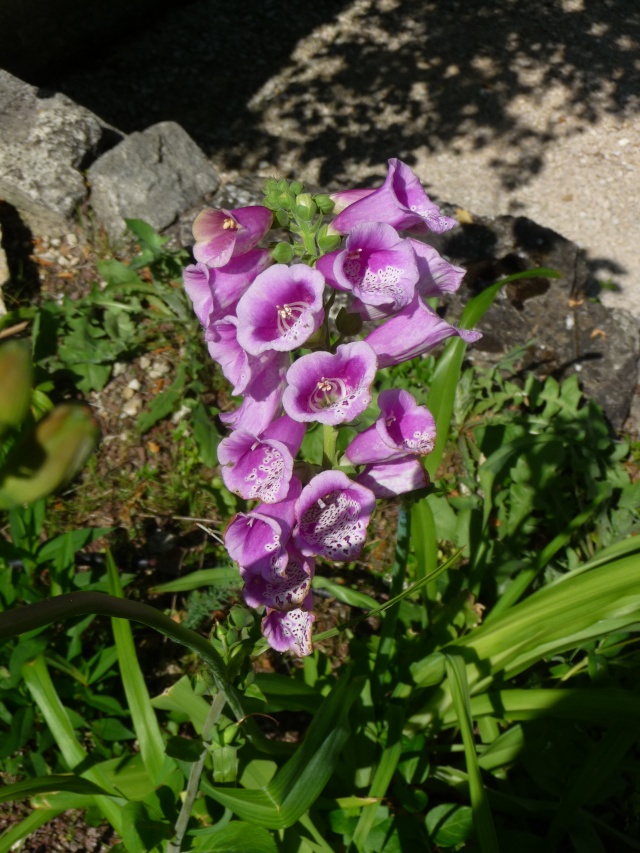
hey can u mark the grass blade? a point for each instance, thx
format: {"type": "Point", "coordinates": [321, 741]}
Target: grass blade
{"type": "Point", "coordinates": [143, 716]}
{"type": "Point", "coordinates": [482, 819]}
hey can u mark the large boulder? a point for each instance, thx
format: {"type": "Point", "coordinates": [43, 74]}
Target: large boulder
{"type": "Point", "coordinates": [153, 175]}
{"type": "Point", "coordinates": [46, 140]}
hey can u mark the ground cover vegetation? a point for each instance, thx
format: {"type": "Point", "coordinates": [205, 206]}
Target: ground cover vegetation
{"type": "Point", "coordinates": [472, 683]}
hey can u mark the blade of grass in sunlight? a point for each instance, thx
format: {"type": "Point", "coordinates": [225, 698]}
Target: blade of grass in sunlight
{"type": "Point", "coordinates": [482, 819]}
{"type": "Point", "coordinates": [143, 716]}
{"type": "Point", "coordinates": [38, 680]}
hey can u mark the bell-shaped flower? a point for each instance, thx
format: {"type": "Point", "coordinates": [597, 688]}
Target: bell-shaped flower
{"type": "Point", "coordinates": [284, 589]}
{"type": "Point", "coordinates": [343, 198]}
{"type": "Point", "coordinates": [403, 428]}
{"type": "Point", "coordinates": [415, 330]}
{"type": "Point", "coordinates": [436, 276]}
{"type": "Point", "coordinates": [331, 389]}
{"type": "Point", "coordinates": [290, 631]}
{"type": "Point", "coordinates": [390, 479]}
{"type": "Point", "coordinates": [281, 309]}
{"type": "Point", "coordinates": [263, 396]}
{"type": "Point", "coordinates": [216, 292]}
{"type": "Point", "coordinates": [400, 201]}
{"type": "Point", "coordinates": [376, 265]}
{"type": "Point", "coordinates": [261, 468]}
{"type": "Point", "coordinates": [223, 234]}
{"type": "Point", "coordinates": [257, 540]}
{"type": "Point", "coordinates": [333, 513]}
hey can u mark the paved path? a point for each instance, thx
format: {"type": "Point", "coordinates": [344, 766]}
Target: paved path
{"type": "Point", "coordinates": [502, 106]}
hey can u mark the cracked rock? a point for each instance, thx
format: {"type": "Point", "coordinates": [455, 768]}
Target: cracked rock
{"type": "Point", "coordinates": [153, 175]}
{"type": "Point", "coordinates": [46, 140]}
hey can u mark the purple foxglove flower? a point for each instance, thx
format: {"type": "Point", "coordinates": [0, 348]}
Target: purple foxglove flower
{"type": "Point", "coordinates": [197, 280]}
{"type": "Point", "coordinates": [330, 388]}
{"type": "Point", "coordinates": [376, 265]}
{"type": "Point", "coordinates": [290, 631]}
{"type": "Point", "coordinates": [281, 309]}
{"type": "Point", "coordinates": [223, 234]}
{"type": "Point", "coordinates": [389, 479]}
{"type": "Point", "coordinates": [333, 513]}
{"type": "Point", "coordinates": [261, 468]}
{"type": "Point", "coordinates": [403, 428]}
{"type": "Point", "coordinates": [263, 396]}
{"type": "Point", "coordinates": [344, 198]}
{"type": "Point", "coordinates": [400, 201]}
{"type": "Point", "coordinates": [436, 275]}
{"type": "Point", "coordinates": [415, 330]}
{"type": "Point", "coordinates": [257, 540]}
{"type": "Point", "coordinates": [255, 469]}
{"type": "Point", "coordinates": [217, 291]}
{"type": "Point", "coordinates": [284, 589]}
{"type": "Point", "coordinates": [222, 340]}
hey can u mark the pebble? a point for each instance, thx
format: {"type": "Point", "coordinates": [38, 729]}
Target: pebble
{"type": "Point", "coordinates": [131, 408]}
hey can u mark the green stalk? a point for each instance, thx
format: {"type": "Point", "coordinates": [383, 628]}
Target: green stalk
{"type": "Point", "coordinates": [329, 441]}
{"type": "Point", "coordinates": [32, 616]}
{"type": "Point", "coordinates": [191, 792]}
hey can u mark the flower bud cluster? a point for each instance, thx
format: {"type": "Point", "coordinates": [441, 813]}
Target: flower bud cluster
{"type": "Point", "coordinates": [267, 322]}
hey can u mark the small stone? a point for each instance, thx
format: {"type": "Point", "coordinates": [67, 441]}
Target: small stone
{"type": "Point", "coordinates": [72, 240]}
{"type": "Point", "coordinates": [132, 407]}
{"type": "Point", "coordinates": [145, 362]}
{"type": "Point", "coordinates": [134, 384]}
{"type": "Point", "coordinates": [128, 393]}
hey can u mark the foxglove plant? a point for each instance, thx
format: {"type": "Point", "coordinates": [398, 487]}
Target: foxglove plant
{"type": "Point", "coordinates": [267, 319]}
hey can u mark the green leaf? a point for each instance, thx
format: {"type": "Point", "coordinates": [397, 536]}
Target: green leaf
{"type": "Point", "coordinates": [165, 402]}
{"type": "Point", "coordinates": [301, 781]}
{"type": "Point", "coordinates": [110, 728]}
{"type": "Point", "coordinates": [143, 716]}
{"type": "Point", "coordinates": [206, 436]}
{"type": "Point", "coordinates": [184, 749]}
{"type": "Point", "coordinates": [47, 785]}
{"type": "Point", "coordinates": [182, 697]}
{"type": "Point", "coordinates": [10, 839]}
{"type": "Point", "coordinates": [449, 824]}
{"type": "Point", "coordinates": [482, 819]}
{"type": "Point", "coordinates": [236, 837]}
{"type": "Point", "coordinates": [345, 594]}
{"type": "Point", "coordinates": [196, 580]}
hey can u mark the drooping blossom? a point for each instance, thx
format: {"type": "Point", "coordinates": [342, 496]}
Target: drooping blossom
{"type": "Point", "coordinates": [263, 396]}
{"type": "Point", "coordinates": [333, 513]}
{"type": "Point", "coordinates": [415, 330]}
{"type": "Point", "coordinates": [283, 588]}
{"type": "Point", "coordinates": [331, 389]}
{"type": "Point", "coordinates": [281, 309]}
{"type": "Point", "coordinates": [343, 198]}
{"type": "Point", "coordinates": [216, 292]}
{"type": "Point", "coordinates": [289, 631]}
{"type": "Point", "coordinates": [257, 540]}
{"type": "Point", "coordinates": [400, 201]}
{"type": "Point", "coordinates": [260, 468]}
{"type": "Point", "coordinates": [223, 234]}
{"type": "Point", "coordinates": [390, 479]}
{"type": "Point", "coordinates": [403, 428]}
{"type": "Point", "coordinates": [376, 265]}
{"type": "Point", "coordinates": [436, 276]}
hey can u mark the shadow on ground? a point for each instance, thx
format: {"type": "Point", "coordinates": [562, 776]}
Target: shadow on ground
{"type": "Point", "coordinates": [341, 84]}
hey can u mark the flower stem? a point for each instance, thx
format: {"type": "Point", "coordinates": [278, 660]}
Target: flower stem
{"type": "Point", "coordinates": [191, 792]}
{"type": "Point", "coordinates": [329, 440]}
{"type": "Point", "coordinates": [61, 607]}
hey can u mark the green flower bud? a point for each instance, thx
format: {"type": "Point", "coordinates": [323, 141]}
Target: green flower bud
{"type": "Point", "coordinates": [306, 207]}
{"type": "Point", "coordinates": [296, 187]}
{"type": "Point", "coordinates": [327, 242]}
{"type": "Point", "coordinates": [286, 200]}
{"type": "Point", "coordinates": [324, 202]}
{"type": "Point", "coordinates": [16, 376]}
{"type": "Point", "coordinates": [348, 324]}
{"type": "Point", "coordinates": [282, 218]}
{"type": "Point", "coordinates": [48, 455]}
{"type": "Point", "coordinates": [282, 253]}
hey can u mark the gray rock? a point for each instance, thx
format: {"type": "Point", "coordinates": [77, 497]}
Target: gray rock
{"type": "Point", "coordinates": [566, 328]}
{"type": "Point", "coordinates": [153, 175]}
{"type": "Point", "coordinates": [46, 140]}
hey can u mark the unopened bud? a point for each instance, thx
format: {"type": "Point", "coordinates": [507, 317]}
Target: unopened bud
{"type": "Point", "coordinates": [328, 241]}
{"type": "Point", "coordinates": [348, 324]}
{"type": "Point", "coordinates": [48, 455]}
{"type": "Point", "coordinates": [306, 207]}
{"type": "Point", "coordinates": [282, 253]}
{"type": "Point", "coordinates": [324, 202]}
{"type": "Point", "coordinates": [16, 375]}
